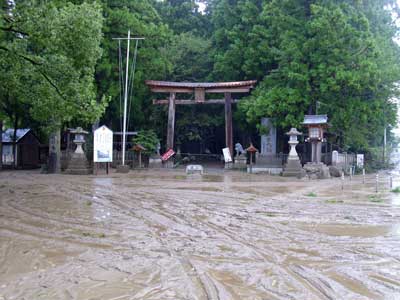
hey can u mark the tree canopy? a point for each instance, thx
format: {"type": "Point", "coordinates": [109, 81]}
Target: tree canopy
{"type": "Point", "coordinates": [60, 63]}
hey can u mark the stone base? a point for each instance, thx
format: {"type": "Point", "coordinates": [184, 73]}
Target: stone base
{"type": "Point", "coordinates": [335, 171]}
{"type": "Point", "coordinates": [122, 169]}
{"type": "Point", "coordinates": [168, 164]}
{"type": "Point", "coordinates": [293, 168]}
{"type": "Point", "coordinates": [78, 165]}
{"type": "Point", "coordinates": [265, 170]}
{"type": "Point", "coordinates": [194, 169]}
{"type": "Point", "coordinates": [229, 165]}
{"type": "Point", "coordinates": [155, 162]}
{"type": "Point", "coordinates": [240, 162]}
{"type": "Point", "coordinates": [317, 170]}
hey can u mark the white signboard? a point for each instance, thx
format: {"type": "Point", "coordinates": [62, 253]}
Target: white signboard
{"type": "Point", "coordinates": [227, 155]}
{"type": "Point", "coordinates": [102, 144]}
{"type": "Point", "coordinates": [360, 160]}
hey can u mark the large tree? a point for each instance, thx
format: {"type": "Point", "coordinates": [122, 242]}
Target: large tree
{"type": "Point", "coordinates": [335, 57]}
{"type": "Point", "coordinates": [57, 43]}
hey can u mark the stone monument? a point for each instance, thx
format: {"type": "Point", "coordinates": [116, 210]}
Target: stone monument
{"type": "Point", "coordinates": [78, 164]}
{"type": "Point", "coordinates": [293, 165]}
{"type": "Point", "coordinates": [268, 141]}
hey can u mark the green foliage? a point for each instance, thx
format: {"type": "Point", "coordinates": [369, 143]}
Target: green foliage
{"type": "Point", "coordinates": [334, 201]}
{"type": "Point", "coordinates": [148, 139]}
{"type": "Point", "coordinates": [183, 16]}
{"type": "Point", "coordinates": [189, 57]}
{"type": "Point", "coordinates": [375, 198]}
{"type": "Point", "coordinates": [57, 46]}
{"type": "Point", "coordinates": [143, 20]}
{"type": "Point", "coordinates": [59, 63]}
{"type": "Point", "coordinates": [311, 194]}
{"type": "Point", "coordinates": [333, 57]}
{"type": "Point", "coordinates": [396, 190]}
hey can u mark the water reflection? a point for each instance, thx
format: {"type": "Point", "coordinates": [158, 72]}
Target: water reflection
{"type": "Point", "coordinates": [100, 187]}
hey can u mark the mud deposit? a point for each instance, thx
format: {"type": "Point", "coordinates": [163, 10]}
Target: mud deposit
{"type": "Point", "coordinates": [162, 235]}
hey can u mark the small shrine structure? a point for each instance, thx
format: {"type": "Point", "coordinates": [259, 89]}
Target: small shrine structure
{"type": "Point", "coordinates": [199, 90]}
{"type": "Point", "coordinates": [316, 125]}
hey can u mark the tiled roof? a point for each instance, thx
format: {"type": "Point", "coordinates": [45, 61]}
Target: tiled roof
{"type": "Point", "coordinates": [233, 84]}
{"type": "Point", "coordinates": [7, 136]}
{"type": "Point", "coordinates": [315, 119]}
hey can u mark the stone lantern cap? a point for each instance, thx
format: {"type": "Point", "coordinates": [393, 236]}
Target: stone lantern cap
{"type": "Point", "coordinates": [293, 131]}
{"type": "Point", "coordinates": [138, 148]}
{"type": "Point", "coordinates": [252, 149]}
{"type": "Point", "coordinates": [79, 130]}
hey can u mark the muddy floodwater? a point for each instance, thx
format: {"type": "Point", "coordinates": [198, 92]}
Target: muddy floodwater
{"type": "Point", "coordinates": [163, 235]}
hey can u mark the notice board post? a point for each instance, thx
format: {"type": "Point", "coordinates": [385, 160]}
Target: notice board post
{"type": "Point", "coordinates": [102, 147]}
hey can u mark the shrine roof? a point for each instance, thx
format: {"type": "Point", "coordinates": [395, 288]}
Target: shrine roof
{"type": "Point", "coordinates": [315, 119]}
{"type": "Point", "coordinates": [170, 84]}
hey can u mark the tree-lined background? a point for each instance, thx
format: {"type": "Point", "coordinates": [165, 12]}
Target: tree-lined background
{"type": "Point", "coordinates": [59, 64]}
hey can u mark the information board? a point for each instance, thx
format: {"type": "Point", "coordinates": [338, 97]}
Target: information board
{"type": "Point", "coordinates": [102, 144]}
{"type": "Point", "coordinates": [227, 155]}
{"type": "Point", "coordinates": [360, 160]}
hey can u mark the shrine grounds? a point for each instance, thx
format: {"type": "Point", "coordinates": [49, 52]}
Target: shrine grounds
{"type": "Point", "coordinates": [160, 234]}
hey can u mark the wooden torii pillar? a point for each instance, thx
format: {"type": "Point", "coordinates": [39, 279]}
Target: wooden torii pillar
{"type": "Point", "coordinates": [199, 90]}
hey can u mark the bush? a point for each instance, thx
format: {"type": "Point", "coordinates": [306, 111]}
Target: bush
{"type": "Point", "coordinates": [148, 139]}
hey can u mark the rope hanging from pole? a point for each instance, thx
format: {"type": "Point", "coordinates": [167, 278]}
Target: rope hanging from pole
{"type": "Point", "coordinates": [130, 90]}
{"type": "Point", "coordinates": [121, 83]}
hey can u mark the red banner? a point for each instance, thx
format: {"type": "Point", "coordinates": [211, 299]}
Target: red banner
{"type": "Point", "coordinates": [167, 155]}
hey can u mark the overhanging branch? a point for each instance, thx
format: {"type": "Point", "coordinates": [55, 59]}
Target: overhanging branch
{"type": "Point", "coordinates": [36, 64]}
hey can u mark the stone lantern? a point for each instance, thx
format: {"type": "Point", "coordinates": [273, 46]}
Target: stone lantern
{"type": "Point", "coordinates": [78, 163]}
{"type": "Point", "coordinates": [79, 139]}
{"type": "Point", "coordinates": [293, 166]}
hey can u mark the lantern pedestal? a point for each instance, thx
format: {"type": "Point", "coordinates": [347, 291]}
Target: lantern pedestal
{"type": "Point", "coordinates": [122, 169]}
{"type": "Point", "coordinates": [317, 170]}
{"type": "Point", "coordinates": [240, 162]}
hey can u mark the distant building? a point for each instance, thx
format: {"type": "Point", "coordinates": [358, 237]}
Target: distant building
{"type": "Point", "coordinates": [27, 148]}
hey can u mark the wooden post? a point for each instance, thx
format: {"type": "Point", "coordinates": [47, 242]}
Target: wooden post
{"type": "Point", "coordinates": [171, 121]}
{"type": "Point", "coordinates": [228, 122]}
{"type": "Point", "coordinates": [1, 144]}
{"type": "Point", "coordinates": [251, 162]}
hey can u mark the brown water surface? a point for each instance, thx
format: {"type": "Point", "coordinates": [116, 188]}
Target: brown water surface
{"type": "Point", "coordinates": [163, 235]}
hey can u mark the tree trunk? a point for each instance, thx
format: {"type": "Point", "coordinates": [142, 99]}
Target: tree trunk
{"type": "Point", "coordinates": [14, 145]}
{"type": "Point", "coordinates": [1, 144]}
{"type": "Point", "coordinates": [54, 164]}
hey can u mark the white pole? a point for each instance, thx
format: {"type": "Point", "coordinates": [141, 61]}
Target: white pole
{"type": "Point", "coordinates": [342, 180]}
{"type": "Point", "coordinates": [363, 176]}
{"type": "Point", "coordinates": [125, 100]}
{"type": "Point", "coordinates": [384, 145]}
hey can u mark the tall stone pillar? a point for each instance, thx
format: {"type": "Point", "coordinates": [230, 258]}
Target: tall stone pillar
{"type": "Point", "coordinates": [268, 140]}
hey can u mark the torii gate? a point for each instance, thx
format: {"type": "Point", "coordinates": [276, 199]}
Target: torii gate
{"type": "Point", "coordinates": [200, 90]}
